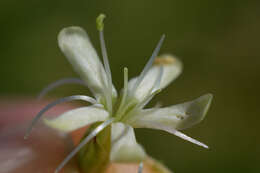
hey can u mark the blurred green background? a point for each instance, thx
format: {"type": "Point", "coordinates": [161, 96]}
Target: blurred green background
{"type": "Point", "coordinates": [217, 40]}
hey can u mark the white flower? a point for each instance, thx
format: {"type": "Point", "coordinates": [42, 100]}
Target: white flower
{"type": "Point", "coordinates": [126, 110]}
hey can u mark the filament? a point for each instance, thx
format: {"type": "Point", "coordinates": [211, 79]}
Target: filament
{"type": "Point", "coordinates": [107, 69]}
{"type": "Point", "coordinates": [149, 64]}
{"type": "Point", "coordinates": [124, 90]}
{"type": "Point", "coordinates": [187, 138]}
{"type": "Point", "coordinates": [94, 133]}
{"type": "Point", "coordinates": [58, 83]}
{"type": "Point", "coordinates": [140, 168]}
{"type": "Point", "coordinates": [158, 80]}
{"type": "Point", "coordinates": [59, 101]}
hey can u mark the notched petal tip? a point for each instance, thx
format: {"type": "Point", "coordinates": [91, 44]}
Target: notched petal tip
{"type": "Point", "coordinates": [177, 117]}
{"type": "Point", "coordinates": [200, 105]}
{"type": "Point", "coordinates": [196, 111]}
{"type": "Point", "coordinates": [204, 102]}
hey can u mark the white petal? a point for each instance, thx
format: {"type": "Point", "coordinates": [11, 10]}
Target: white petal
{"type": "Point", "coordinates": [174, 118]}
{"type": "Point", "coordinates": [179, 116]}
{"type": "Point", "coordinates": [75, 44]}
{"type": "Point", "coordinates": [77, 118]}
{"type": "Point", "coordinates": [124, 146]}
{"type": "Point", "coordinates": [172, 68]}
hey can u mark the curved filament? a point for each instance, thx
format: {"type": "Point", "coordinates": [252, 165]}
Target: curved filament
{"type": "Point", "coordinates": [59, 101]}
{"type": "Point", "coordinates": [140, 168]}
{"type": "Point", "coordinates": [58, 83]}
{"type": "Point", "coordinates": [93, 134]}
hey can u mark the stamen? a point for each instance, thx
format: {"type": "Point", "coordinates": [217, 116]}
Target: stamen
{"type": "Point", "coordinates": [158, 80]}
{"type": "Point", "coordinates": [140, 105]}
{"type": "Point", "coordinates": [94, 133]}
{"type": "Point", "coordinates": [148, 99]}
{"type": "Point", "coordinates": [100, 27]}
{"type": "Point", "coordinates": [124, 90]}
{"type": "Point", "coordinates": [149, 64]}
{"type": "Point", "coordinates": [140, 168]}
{"type": "Point", "coordinates": [155, 90]}
{"type": "Point", "coordinates": [59, 83]}
{"type": "Point", "coordinates": [125, 81]}
{"type": "Point", "coordinates": [185, 137]}
{"type": "Point", "coordinates": [59, 101]}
